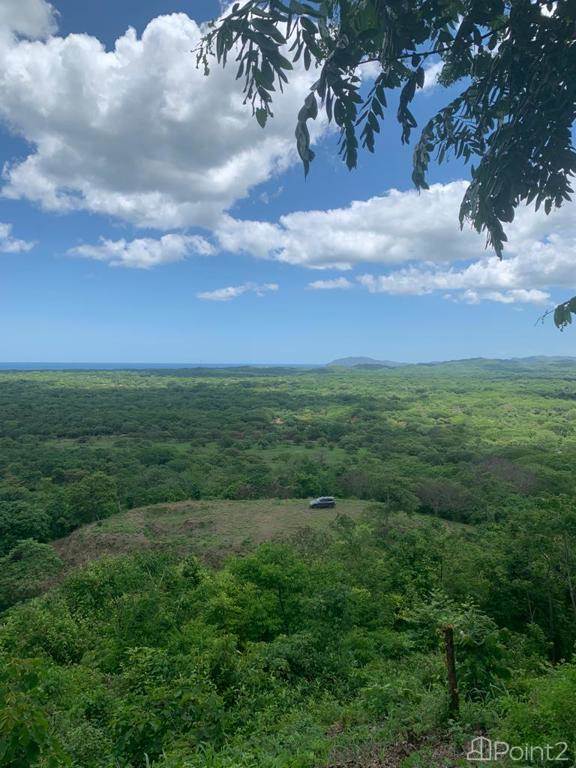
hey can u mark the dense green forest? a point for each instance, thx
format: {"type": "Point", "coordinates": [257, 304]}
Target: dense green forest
{"type": "Point", "coordinates": [323, 647]}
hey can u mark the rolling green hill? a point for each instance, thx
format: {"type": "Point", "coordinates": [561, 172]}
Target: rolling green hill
{"type": "Point", "coordinates": [210, 529]}
{"type": "Point", "coordinates": [355, 362]}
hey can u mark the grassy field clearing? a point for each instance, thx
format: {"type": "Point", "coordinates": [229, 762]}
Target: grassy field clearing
{"type": "Point", "coordinates": [211, 529]}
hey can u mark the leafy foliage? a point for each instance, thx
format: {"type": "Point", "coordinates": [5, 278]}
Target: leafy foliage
{"type": "Point", "coordinates": [25, 570]}
{"type": "Point", "coordinates": [27, 737]}
{"type": "Point", "coordinates": [148, 660]}
{"type": "Point", "coordinates": [514, 60]}
{"type": "Point", "coordinates": [563, 313]}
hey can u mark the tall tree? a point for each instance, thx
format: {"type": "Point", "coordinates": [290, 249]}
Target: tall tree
{"type": "Point", "coordinates": [515, 61]}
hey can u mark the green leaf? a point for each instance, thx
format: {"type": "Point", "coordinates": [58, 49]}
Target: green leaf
{"type": "Point", "coordinates": [261, 117]}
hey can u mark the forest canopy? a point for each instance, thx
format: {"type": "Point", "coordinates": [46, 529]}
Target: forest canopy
{"type": "Point", "coordinates": [140, 638]}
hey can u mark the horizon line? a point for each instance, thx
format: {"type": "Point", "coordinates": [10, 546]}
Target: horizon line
{"type": "Point", "coordinates": [110, 364]}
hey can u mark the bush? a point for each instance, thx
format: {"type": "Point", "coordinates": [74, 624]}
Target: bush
{"type": "Point", "coordinates": [545, 714]}
{"type": "Point", "coordinates": [21, 520]}
{"type": "Point", "coordinates": [25, 570]}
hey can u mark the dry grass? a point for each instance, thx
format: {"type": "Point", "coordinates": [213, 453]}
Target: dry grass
{"type": "Point", "coordinates": [210, 529]}
{"type": "Point", "coordinates": [430, 751]}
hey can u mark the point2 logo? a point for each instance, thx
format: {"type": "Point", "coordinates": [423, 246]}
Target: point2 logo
{"type": "Point", "coordinates": [485, 750]}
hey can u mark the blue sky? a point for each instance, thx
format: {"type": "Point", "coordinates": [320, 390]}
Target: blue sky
{"type": "Point", "coordinates": [145, 217]}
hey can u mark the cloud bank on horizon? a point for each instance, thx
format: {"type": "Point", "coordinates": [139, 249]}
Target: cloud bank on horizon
{"type": "Point", "coordinates": [139, 134]}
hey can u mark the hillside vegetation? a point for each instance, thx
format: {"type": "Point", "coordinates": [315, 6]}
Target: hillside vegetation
{"type": "Point", "coordinates": [211, 530]}
{"type": "Point", "coordinates": [168, 600]}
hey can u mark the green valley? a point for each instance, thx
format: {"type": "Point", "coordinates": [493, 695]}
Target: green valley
{"type": "Point", "coordinates": [170, 601]}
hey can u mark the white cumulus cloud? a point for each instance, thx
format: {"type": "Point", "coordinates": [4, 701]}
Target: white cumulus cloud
{"type": "Point", "coordinates": [416, 239]}
{"type": "Point", "coordinates": [390, 229]}
{"type": "Point", "coordinates": [540, 256]}
{"type": "Point", "coordinates": [233, 291]}
{"type": "Point", "coordinates": [137, 132]}
{"type": "Point", "coordinates": [29, 18]}
{"type": "Point", "coordinates": [338, 283]}
{"type": "Point", "coordinates": [146, 252]}
{"type": "Point", "coordinates": [514, 296]}
{"type": "Point", "coordinates": [9, 244]}
{"type": "Point", "coordinates": [478, 282]}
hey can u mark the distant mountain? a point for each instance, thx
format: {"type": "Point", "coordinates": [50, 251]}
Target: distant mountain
{"type": "Point", "coordinates": [515, 367]}
{"type": "Point", "coordinates": [540, 364]}
{"type": "Point", "coordinates": [536, 361]}
{"type": "Point", "coordinates": [363, 362]}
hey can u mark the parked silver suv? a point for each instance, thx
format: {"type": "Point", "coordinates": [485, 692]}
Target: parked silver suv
{"type": "Point", "coordinates": [323, 502]}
